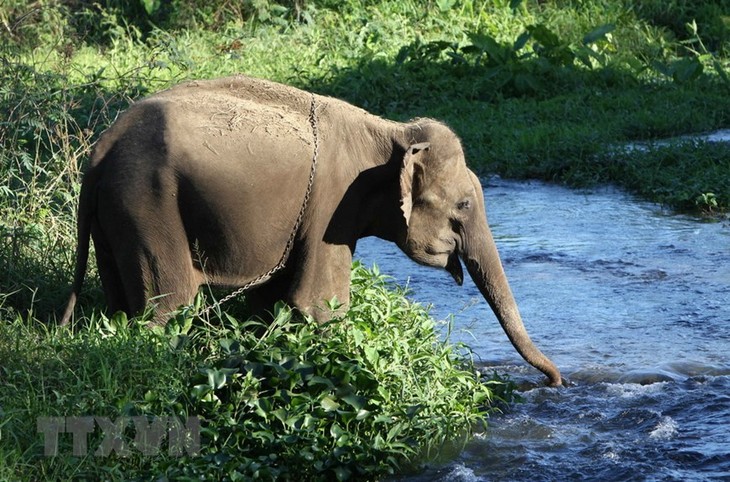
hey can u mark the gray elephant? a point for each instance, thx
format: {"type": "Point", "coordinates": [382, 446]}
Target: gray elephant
{"type": "Point", "coordinates": [205, 182]}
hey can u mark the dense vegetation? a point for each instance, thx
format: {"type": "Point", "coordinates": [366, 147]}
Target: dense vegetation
{"type": "Point", "coordinates": [356, 397]}
{"type": "Point", "coordinates": [562, 90]}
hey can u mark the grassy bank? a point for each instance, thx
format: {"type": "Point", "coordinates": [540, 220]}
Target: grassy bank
{"type": "Point", "coordinates": [550, 90]}
{"type": "Point", "coordinates": [368, 395]}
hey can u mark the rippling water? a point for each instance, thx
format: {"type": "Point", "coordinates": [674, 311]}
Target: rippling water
{"type": "Point", "coordinates": [631, 302]}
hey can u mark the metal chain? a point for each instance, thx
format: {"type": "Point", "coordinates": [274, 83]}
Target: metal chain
{"type": "Point", "coordinates": [290, 243]}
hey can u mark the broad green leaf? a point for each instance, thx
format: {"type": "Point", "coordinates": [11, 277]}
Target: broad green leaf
{"type": "Point", "coordinates": [412, 410]}
{"type": "Point", "coordinates": [336, 431]}
{"type": "Point", "coordinates": [151, 6]}
{"type": "Point", "coordinates": [357, 402]}
{"type": "Point", "coordinates": [372, 355]}
{"type": "Point", "coordinates": [395, 431]}
{"type": "Point", "coordinates": [362, 414]}
{"type": "Point", "coordinates": [544, 36]}
{"type": "Point", "coordinates": [281, 414]}
{"type": "Point", "coordinates": [488, 45]}
{"type": "Point", "coordinates": [521, 41]}
{"type": "Point", "coordinates": [329, 404]}
{"type": "Point", "coordinates": [598, 33]}
{"type": "Point", "coordinates": [317, 380]}
{"type": "Point", "coordinates": [216, 379]}
{"type": "Point", "coordinates": [229, 345]}
{"type": "Point", "coordinates": [358, 335]}
{"type": "Point", "coordinates": [200, 391]}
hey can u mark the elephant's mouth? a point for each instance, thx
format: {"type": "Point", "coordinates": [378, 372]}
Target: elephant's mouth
{"type": "Point", "coordinates": [453, 266]}
{"type": "Point", "coordinates": [449, 260]}
{"type": "Point", "coordinates": [439, 255]}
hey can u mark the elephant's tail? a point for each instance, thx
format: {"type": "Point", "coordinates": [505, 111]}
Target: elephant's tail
{"type": "Point", "coordinates": [82, 249]}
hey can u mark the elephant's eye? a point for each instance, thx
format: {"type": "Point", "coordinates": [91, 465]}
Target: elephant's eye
{"type": "Point", "coordinates": [463, 205]}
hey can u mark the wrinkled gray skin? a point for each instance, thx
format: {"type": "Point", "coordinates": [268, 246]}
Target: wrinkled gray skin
{"type": "Point", "coordinates": [202, 183]}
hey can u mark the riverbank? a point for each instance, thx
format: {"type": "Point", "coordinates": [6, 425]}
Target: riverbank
{"type": "Point", "coordinates": [361, 397]}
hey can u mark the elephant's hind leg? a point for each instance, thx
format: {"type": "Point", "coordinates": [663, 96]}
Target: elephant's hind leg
{"type": "Point", "coordinates": [111, 279]}
{"type": "Point", "coordinates": [147, 276]}
{"type": "Point", "coordinates": [131, 273]}
{"type": "Point", "coordinates": [146, 257]}
{"type": "Point", "coordinates": [170, 279]}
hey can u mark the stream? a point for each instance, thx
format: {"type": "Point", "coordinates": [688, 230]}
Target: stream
{"type": "Point", "coordinates": [630, 301]}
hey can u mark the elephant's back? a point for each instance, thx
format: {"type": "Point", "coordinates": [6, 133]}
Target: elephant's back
{"type": "Point", "coordinates": [235, 90]}
{"type": "Point", "coordinates": [283, 100]}
{"type": "Point", "coordinates": [235, 119]}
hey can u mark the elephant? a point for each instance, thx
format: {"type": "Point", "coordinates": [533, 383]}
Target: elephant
{"type": "Point", "coordinates": [202, 183]}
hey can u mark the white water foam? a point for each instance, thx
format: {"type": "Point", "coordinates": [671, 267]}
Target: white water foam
{"type": "Point", "coordinates": [462, 473]}
{"type": "Point", "coordinates": [666, 429]}
{"type": "Point", "coordinates": [632, 390]}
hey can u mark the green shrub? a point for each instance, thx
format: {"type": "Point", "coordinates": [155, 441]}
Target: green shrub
{"type": "Point", "coordinates": [369, 394]}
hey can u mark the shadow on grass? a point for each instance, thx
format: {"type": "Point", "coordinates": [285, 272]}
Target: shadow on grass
{"type": "Point", "coordinates": [542, 117]}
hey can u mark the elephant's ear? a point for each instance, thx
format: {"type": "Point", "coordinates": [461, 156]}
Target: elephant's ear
{"type": "Point", "coordinates": [406, 177]}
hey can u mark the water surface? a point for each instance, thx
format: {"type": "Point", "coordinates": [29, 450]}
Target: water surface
{"type": "Point", "coordinates": [631, 302]}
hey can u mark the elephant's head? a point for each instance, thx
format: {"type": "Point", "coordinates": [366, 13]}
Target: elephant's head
{"type": "Point", "coordinates": [443, 206]}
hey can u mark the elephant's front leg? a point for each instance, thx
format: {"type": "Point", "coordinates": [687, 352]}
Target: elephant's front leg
{"type": "Point", "coordinates": [261, 300]}
{"type": "Point", "coordinates": [322, 273]}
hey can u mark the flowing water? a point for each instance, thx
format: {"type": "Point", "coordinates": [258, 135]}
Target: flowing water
{"type": "Point", "coordinates": [631, 302]}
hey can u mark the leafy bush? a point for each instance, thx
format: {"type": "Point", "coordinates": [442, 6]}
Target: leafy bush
{"type": "Point", "coordinates": [100, 21]}
{"type": "Point", "coordinates": [369, 394]}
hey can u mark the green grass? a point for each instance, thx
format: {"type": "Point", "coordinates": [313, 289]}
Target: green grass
{"type": "Point", "coordinates": [363, 396]}
{"type": "Point", "coordinates": [551, 90]}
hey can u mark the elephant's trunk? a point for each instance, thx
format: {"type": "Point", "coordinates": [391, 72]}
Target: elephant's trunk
{"type": "Point", "coordinates": [481, 258]}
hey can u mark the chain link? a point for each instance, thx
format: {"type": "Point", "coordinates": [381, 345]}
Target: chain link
{"type": "Point", "coordinates": [290, 243]}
